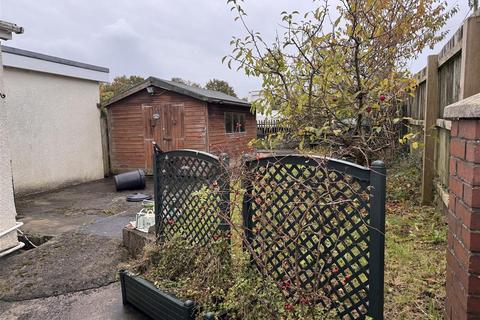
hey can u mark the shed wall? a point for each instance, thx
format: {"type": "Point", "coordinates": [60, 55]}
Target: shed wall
{"type": "Point", "coordinates": [234, 144]}
{"type": "Point", "coordinates": [125, 127]}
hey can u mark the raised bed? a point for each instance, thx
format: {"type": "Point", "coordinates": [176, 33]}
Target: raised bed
{"type": "Point", "coordinates": [153, 302]}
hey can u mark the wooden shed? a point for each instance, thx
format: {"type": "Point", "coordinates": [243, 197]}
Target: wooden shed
{"type": "Point", "coordinates": [175, 116]}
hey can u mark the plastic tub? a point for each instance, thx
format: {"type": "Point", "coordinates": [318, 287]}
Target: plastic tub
{"type": "Point", "coordinates": [131, 180]}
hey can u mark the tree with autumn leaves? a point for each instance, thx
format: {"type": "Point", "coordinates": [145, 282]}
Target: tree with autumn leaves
{"type": "Point", "coordinates": [119, 84]}
{"type": "Point", "coordinates": [220, 86]}
{"type": "Point", "coordinates": [339, 73]}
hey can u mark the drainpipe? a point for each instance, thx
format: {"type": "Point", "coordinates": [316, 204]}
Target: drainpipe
{"type": "Point", "coordinates": [11, 232]}
{"type": "Point", "coordinates": [8, 225]}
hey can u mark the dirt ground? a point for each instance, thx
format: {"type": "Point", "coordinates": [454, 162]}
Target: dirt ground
{"type": "Point", "coordinates": [84, 223]}
{"type": "Point", "coordinates": [67, 263]}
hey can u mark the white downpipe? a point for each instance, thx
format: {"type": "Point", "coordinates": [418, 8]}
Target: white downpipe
{"type": "Point", "coordinates": [19, 246]}
{"type": "Point", "coordinates": [5, 232]}
{"type": "Point", "coordinates": [15, 227]}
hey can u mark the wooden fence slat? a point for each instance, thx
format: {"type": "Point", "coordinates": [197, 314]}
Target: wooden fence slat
{"type": "Point", "coordinates": [271, 126]}
{"type": "Point", "coordinates": [452, 77]}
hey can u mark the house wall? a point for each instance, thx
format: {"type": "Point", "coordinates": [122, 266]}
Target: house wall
{"type": "Point", "coordinates": [7, 206]}
{"type": "Point", "coordinates": [234, 144]}
{"type": "Point", "coordinates": [54, 129]}
{"type": "Point", "coordinates": [129, 143]}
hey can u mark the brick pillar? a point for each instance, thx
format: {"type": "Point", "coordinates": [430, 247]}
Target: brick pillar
{"type": "Point", "coordinates": [463, 251]}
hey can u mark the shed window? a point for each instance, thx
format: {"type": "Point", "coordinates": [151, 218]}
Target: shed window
{"type": "Point", "coordinates": [234, 122]}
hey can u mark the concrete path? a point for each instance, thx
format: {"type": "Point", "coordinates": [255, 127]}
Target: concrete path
{"type": "Point", "coordinates": [102, 304]}
{"type": "Point", "coordinates": [68, 209]}
{"type": "Point", "coordinates": [109, 226]}
{"type": "Point", "coordinates": [73, 275]}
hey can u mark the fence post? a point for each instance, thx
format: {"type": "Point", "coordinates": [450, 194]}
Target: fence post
{"type": "Point", "coordinates": [470, 67]}
{"type": "Point", "coordinates": [105, 144]}
{"type": "Point", "coordinates": [463, 250]}
{"type": "Point", "coordinates": [225, 191]}
{"type": "Point", "coordinates": [378, 176]}
{"type": "Point", "coordinates": [429, 131]}
{"type": "Point", "coordinates": [157, 196]}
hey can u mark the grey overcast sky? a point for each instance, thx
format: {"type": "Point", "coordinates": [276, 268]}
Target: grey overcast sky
{"type": "Point", "coordinates": [163, 38]}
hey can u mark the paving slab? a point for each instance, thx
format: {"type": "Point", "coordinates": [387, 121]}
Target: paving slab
{"type": "Point", "coordinates": [104, 303]}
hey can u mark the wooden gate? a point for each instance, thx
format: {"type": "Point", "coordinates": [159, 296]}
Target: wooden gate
{"type": "Point", "coordinates": [164, 124]}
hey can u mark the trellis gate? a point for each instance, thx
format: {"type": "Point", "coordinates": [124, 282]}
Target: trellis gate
{"type": "Point", "coordinates": [317, 225]}
{"type": "Point", "coordinates": [180, 206]}
{"type": "Point", "coordinates": [314, 222]}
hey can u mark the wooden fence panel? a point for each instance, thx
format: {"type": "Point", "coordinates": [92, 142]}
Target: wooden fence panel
{"type": "Point", "coordinates": [449, 82]}
{"type": "Point", "coordinates": [415, 107]}
{"type": "Point", "coordinates": [270, 126]}
{"type": "Point", "coordinates": [456, 75]}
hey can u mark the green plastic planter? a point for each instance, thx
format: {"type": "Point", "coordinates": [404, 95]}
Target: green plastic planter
{"type": "Point", "coordinates": [153, 302]}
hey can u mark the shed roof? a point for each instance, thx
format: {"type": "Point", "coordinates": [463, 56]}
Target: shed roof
{"type": "Point", "coordinates": [194, 92]}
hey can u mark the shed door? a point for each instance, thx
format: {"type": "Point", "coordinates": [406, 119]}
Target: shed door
{"type": "Point", "coordinates": [173, 127]}
{"type": "Point", "coordinates": [164, 124]}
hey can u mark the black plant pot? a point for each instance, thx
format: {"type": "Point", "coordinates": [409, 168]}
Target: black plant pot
{"type": "Point", "coordinates": [153, 302]}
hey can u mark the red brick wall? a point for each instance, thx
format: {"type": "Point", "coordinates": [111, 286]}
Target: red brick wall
{"type": "Point", "coordinates": [463, 252]}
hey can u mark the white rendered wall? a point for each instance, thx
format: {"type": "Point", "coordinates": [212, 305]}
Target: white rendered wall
{"type": "Point", "coordinates": [7, 205]}
{"type": "Point", "coordinates": [29, 63]}
{"type": "Point", "coordinates": [54, 130]}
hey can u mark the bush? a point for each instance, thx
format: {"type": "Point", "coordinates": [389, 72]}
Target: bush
{"type": "Point", "coordinates": [219, 281]}
{"type": "Point", "coordinates": [405, 180]}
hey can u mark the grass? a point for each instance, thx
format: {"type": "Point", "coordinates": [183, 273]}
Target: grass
{"type": "Point", "coordinates": [415, 249]}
